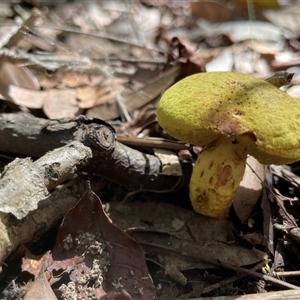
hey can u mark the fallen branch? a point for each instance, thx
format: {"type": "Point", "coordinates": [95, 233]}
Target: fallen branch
{"type": "Point", "coordinates": [29, 136]}
{"type": "Point", "coordinates": [26, 135]}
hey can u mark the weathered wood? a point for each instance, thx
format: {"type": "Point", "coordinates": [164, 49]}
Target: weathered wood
{"type": "Point", "coordinates": [29, 136]}
{"type": "Point", "coordinates": [26, 135]}
{"type": "Point", "coordinates": [31, 201]}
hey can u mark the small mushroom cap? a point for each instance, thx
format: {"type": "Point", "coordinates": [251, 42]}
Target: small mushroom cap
{"type": "Point", "coordinates": [260, 117]}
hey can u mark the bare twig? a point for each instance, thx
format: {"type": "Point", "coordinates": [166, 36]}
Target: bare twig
{"type": "Point", "coordinates": [217, 263]}
{"type": "Point", "coordinates": [53, 62]}
{"type": "Point", "coordinates": [290, 294]}
{"type": "Point", "coordinates": [153, 143]}
{"type": "Point", "coordinates": [231, 279]}
{"type": "Point", "coordinates": [287, 274]}
{"type": "Point", "coordinates": [30, 22]}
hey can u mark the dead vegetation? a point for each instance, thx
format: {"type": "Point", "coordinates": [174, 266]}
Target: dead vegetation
{"type": "Point", "coordinates": [94, 200]}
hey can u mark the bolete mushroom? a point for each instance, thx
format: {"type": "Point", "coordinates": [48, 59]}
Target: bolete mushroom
{"type": "Point", "coordinates": [230, 115]}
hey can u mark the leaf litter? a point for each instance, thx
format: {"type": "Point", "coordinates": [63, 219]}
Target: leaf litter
{"type": "Point", "coordinates": [100, 55]}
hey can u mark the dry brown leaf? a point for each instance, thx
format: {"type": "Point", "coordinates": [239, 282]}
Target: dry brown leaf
{"type": "Point", "coordinates": [23, 97]}
{"type": "Point", "coordinates": [40, 289]}
{"type": "Point", "coordinates": [199, 235]}
{"type": "Point", "coordinates": [48, 82]}
{"type": "Point", "coordinates": [254, 238]}
{"type": "Point", "coordinates": [138, 98]}
{"type": "Point", "coordinates": [11, 74]}
{"type": "Point", "coordinates": [64, 79]}
{"type": "Point", "coordinates": [96, 253]}
{"type": "Point", "coordinates": [221, 11]}
{"type": "Point", "coordinates": [90, 96]}
{"type": "Point", "coordinates": [237, 31]}
{"type": "Point", "coordinates": [264, 47]}
{"type": "Point", "coordinates": [212, 11]}
{"type": "Point", "coordinates": [61, 104]}
{"type": "Point", "coordinates": [223, 62]}
{"type": "Point", "coordinates": [294, 91]}
{"type": "Point", "coordinates": [288, 17]}
{"type": "Point", "coordinates": [73, 80]}
{"type": "Point", "coordinates": [143, 118]}
{"type": "Point", "coordinates": [18, 38]}
{"type": "Point", "coordinates": [33, 263]}
{"type": "Point", "coordinates": [18, 85]}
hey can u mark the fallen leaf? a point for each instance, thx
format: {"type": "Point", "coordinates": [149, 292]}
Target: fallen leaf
{"type": "Point", "coordinates": [90, 96]}
{"type": "Point", "coordinates": [34, 263]}
{"type": "Point", "coordinates": [294, 91]}
{"type": "Point", "coordinates": [73, 80]}
{"type": "Point", "coordinates": [223, 62]}
{"type": "Point", "coordinates": [138, 98]}
{"type": "Point", "coordinates": [61, 104]}
{"type": "Point", "coordinates": [96, 253]}
{"type": "Point", "coordinates": [237, 31]}
{"type": "Point", "coordinates": [199, 235]}
{"type": "Point", "coordinates": [142, 119]}
{"type": "Point", "coordinates": [287, 17]}
{"type": "Point", "coordinates": [23, 97]}
{"type": "Point", "coordinates": [11, 74]}
{"type": "Point", "coordinates": [264, 47]}
{"type": "Point", "coordinates": [254, 238]}
{"type": "Point", "coordinates": [212, 11]}
{"type": "Point", "coordinates": [40, 289]}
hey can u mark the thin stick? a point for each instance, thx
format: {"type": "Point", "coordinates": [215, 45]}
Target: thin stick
{"type": "Point", "coordinates": [153, 143]}
{"type": "Point", "coordinates": [287, 274]}
{"type": "Point", "coordinates": [231, 279]}
{"type": "Point", "coordinates": [228, 266]}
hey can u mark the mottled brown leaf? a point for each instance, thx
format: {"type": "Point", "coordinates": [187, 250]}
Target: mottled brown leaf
{"type": "Point", "coordinates": [96, 253]}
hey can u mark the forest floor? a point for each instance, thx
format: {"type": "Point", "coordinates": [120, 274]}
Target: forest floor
{"type": "Point", "coordinates": [94, 194]}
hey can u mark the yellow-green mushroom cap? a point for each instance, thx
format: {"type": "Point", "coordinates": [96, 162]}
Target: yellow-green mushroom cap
{"type": "Point", "coordinates": [203, 107]}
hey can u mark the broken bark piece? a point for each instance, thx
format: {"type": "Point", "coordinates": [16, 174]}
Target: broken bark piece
{"type": "Point", "coordinates": [27, 207]}
{"type": "Point", "coordinates": [24, 183]}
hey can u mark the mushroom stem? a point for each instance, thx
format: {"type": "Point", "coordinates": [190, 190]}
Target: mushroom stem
{"type": "Point", "coordinates": [217, 174]}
